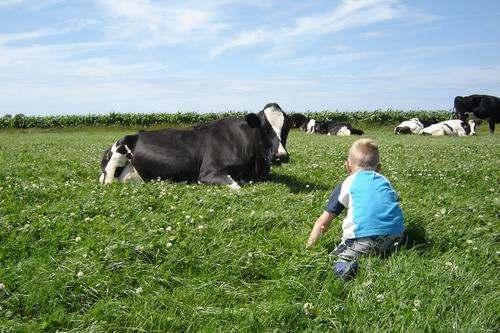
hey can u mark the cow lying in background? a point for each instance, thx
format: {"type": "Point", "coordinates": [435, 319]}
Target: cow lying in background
{"type": "Point", "coordinates": [448, 127]}
{"type": "Point", "coordinates": [413, 126]}
{"type": "Point", "coordinates": [481, 106]}
{"type": "Point", "coordinates": [311, 126]}
{"type": "Point", "coordinates": [331, 127]}
{"type": "Point", "coordinates": [298, 120]}
{"type": "Point", "coordinates": [220, 152]}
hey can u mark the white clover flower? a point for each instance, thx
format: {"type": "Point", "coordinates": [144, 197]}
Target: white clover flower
{"type": "Point", "coordinates": [2, 286]}
{"type": "Point", "coordinates": [138, 290]}
{"type": "Point", "coordinates": [87, 219]}
{"type": "Point", "coordinates": [367, 283]}
{"type": "Point", "coordinates": [169, 244]}
{"type": "Point", "coordinates": [416, 303]}
{"type": "Point", "coordinates": [139, 248]}
{"type": "Point", "coordinates": [469, 241]}
{"type": "Point", "coordinates": [143, 219]}
{"type": "Point", "coordinates": [168, 229]}
{"type": "Point", "coordinates": [78, 238]}
{"type": "Point", "coordinates": [380, 298]}
{"type": "Point", "coordinates": [308, 309]}
{"type": "Point", "coordinates": [211, 210]}
{"type": "Point", "coordinates": [79, 274]}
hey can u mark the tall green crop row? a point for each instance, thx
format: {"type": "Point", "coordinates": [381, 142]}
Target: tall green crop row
{"type": "Point", "coordinates": [377, 117]}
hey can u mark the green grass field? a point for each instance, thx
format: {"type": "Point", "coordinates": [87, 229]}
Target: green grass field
{"type": "Point", "coordinates": [78, 256]}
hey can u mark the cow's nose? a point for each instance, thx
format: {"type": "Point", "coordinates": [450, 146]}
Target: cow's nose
{"type": "Point", "coordinates": [283, 158]}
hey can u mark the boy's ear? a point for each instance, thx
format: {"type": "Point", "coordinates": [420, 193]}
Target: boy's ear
{"type": "Point", "coordinates": [379, 166]}
{"type": "Point", "coordinates": [253, 120]}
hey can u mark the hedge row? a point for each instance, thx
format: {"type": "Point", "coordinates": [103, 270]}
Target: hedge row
{"type": "Point", "coordinates": [378, 117]}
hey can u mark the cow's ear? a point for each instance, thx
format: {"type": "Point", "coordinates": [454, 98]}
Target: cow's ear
{"type": "Point", "coordinates": [253, 120]}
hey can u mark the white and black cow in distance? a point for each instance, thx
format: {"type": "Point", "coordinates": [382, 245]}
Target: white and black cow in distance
{"type": "Point", "coordinates": [413, 126]}
{"type": "Point", "coordinates": [480, 106]}
{"type": "Point", "coordinates": [299, 120]}
{"type": "Point", "coordinates": [331, 127]}
{"type": "Point", "coordinates": [448, 127]}
{"type": "Point", "coordinates": [224, 151]}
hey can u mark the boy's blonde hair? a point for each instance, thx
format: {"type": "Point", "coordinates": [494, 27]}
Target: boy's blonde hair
{"type": "Point", "coordinates": [364, 154]}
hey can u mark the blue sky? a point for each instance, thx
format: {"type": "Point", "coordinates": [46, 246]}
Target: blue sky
{"type": "Point", "coordinates": [98, 56]}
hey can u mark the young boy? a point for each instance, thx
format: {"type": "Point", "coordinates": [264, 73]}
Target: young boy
{"type": "Point", "coordinates": [374, 221]}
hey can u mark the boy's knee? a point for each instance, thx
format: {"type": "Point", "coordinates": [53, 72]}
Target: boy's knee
{"type": "Point", "coordinates": [346, 270]}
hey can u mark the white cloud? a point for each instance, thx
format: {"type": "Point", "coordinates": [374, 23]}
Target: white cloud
{"type": "Point", "coordinates": [349, 14]}
{"type": "Point", "coordinates": [153, 23]}
{"type": "Point", "coordinates": [59, 29]}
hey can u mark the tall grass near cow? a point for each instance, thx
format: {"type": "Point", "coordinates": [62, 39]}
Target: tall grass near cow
{"type": "Point", "coordinates": [79, 256]}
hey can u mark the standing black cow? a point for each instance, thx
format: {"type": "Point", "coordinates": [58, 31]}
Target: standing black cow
{"type": "Point", "coordinates": [331, 127]}
{"type": "Point", "coordinates": [220, 152]}
{"type": "Point", "coordinates": [481, 106]}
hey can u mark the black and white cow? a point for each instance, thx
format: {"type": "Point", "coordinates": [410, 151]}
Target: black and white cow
{"type": "Point", "coordinates": [311, 126]}
{"type": "Point", "coordinates": [331, 127]}
{"type": "Point", "coordinates": [413, 126]}
{"type": "Point", "coordinates": [481, 106]}
{"type": "Point", "coordinates": [299, 120]}
{"type": "Point", "coordinates": [448, 127]}
{"type": "Point", "coordinates": [224, 151]}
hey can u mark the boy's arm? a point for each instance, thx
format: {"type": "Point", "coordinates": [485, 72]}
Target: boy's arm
{"type": "Point", "coordinates": [335, 206]}
{"type": "Point", "coordinates": [320, 226]}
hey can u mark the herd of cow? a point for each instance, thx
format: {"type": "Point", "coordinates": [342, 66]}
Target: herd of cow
{"type": "Point", "coordinates": [233, 150]}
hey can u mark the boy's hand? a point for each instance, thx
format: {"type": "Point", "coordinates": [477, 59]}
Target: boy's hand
{"type": "Point", "coordinates": [320, 226]}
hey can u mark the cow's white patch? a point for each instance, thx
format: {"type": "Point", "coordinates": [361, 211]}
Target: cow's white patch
{"type": "Point", "coordinates": [130, 174]}
{"type": "Point", "coordinates": [310, 126]}
{"type": "Point", "coordinates": [117, 160]}
{"type": "Point", "coordinates": [472, 124]}
{"type": "Point", "coordinates": [276, 118]}
{"type": "Point", "coordinates": [234, 185]}
{"type": "Point", "coordinates": [344, 131]}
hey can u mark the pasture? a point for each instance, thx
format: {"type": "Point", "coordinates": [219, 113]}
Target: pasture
{"type": "Point", "coordinates": [78, 256]}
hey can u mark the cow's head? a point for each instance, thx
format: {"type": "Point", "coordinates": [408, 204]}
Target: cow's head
{"type": "Point", "coordinates": [465, 125]}
{"type": "Point", "coordinates": [298, 120]}
{"type": "Point", "coordinates": [464, 105]}
{"type": "Point", "coordinates": [275, 125]}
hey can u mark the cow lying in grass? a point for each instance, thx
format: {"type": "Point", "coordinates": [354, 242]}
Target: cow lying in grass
{"type": "Point", "coordinates": [413, 126]}
{"type": "Point", "coordinates": [331, 127]}
{"type": "Point", "coordinates": [220, 152]}
{"type": "Point", "coordinates": [448, 127]}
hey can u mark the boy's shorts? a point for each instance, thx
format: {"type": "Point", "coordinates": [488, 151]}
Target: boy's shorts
{"type": "Point", "coordinates": [351, 249]}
